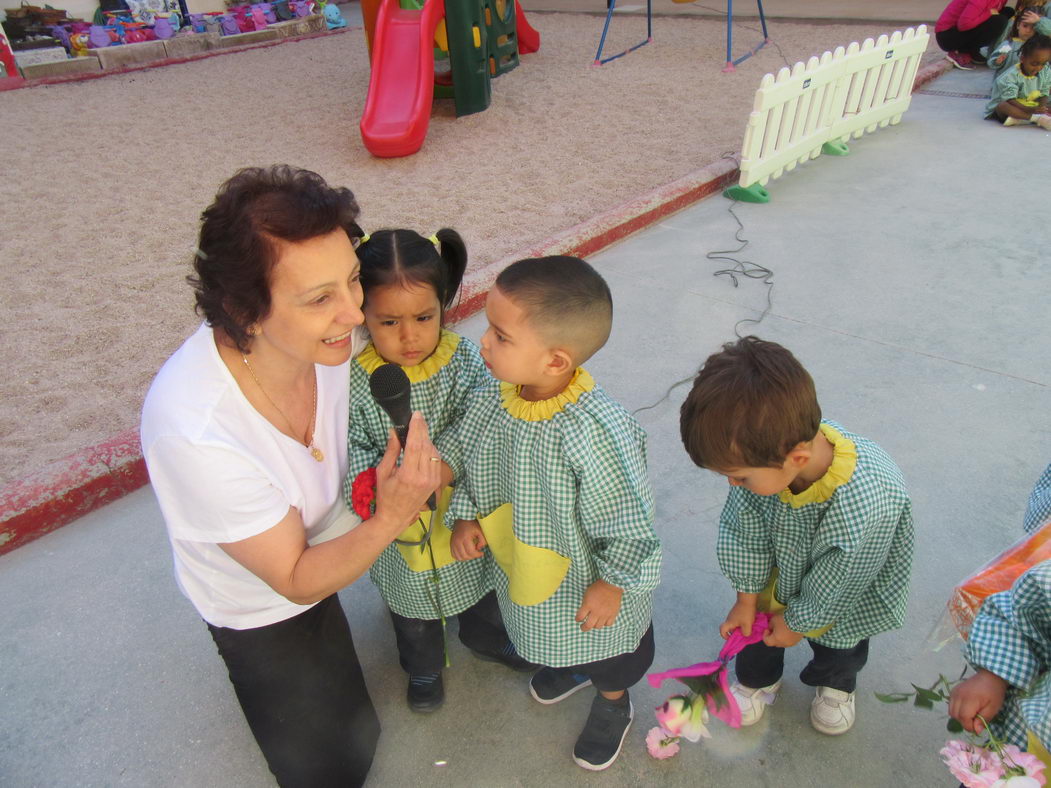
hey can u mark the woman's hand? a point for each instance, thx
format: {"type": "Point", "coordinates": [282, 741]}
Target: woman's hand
{"type": "Point", "coordinates": [402, 490]}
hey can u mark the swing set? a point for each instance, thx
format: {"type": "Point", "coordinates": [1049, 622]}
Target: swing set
{"type": "Point", "coordinates": [731, 63]}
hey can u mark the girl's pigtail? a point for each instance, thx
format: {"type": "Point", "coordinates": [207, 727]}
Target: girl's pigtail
{"type": "Point", "coordinates": [454, 253]}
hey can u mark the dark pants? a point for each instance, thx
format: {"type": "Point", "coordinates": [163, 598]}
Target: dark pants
{"type": "Point", "coordinates": [760, 665]}
{"type": "Point", "coordinates": [970, 41]}
{"type": "Point", "coordinates": [302, 691]}
{"type": "Point", "coordinates": [420, 640]}
{"type": "Point", "coordinates": [620, 672]}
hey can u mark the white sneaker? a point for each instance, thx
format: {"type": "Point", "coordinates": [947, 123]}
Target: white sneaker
{"type": "Point", "coordinates": [753, 702]}
{"type": "Point", "coordinates": [1043, 121]}
{"type": "Point", "coordinates": [832, 711]}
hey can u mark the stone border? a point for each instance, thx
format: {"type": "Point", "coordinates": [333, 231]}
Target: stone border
{"type": "Point", "coordinates": [18, 83]}
{"type": "Point", "coordinates": [90, 478]}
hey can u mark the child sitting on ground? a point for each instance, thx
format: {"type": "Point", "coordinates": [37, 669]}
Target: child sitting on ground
{"type": "Point", "coordinates": [409, 281]}
{"type": "Point", "coordinates": [817, 527]}
{"type": "Point", "coordinates": [1019, 95]}
{"type": "Point", "coordinates": [1026, 21]}
{"type": "Point", "coordinates": [1010, 648]}
{"type": "Point", "coordinates": [556, 471]}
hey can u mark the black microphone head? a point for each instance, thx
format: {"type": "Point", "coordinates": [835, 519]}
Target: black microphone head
{"type": "Point", "coordinates": [388, 382]}
{"type": "Point", "coordinates": [392, 391]}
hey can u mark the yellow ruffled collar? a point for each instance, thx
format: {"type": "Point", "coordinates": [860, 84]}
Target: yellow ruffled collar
{"type": "Point", "coordinates": [544, 409]}
{"type": "Point", "coordinates": [370, 360]}
{"type": "Point", "coordinates": [844, 460]}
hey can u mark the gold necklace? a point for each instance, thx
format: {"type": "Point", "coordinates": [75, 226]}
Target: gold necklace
{"type": "Point", "coordinates": [315, 452]}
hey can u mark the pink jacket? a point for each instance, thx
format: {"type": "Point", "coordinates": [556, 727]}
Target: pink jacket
{"type": "Point", "coordinates": [967, 14]}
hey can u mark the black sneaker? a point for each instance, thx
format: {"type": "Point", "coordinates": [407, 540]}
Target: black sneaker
{"type": "Point", "coordinates": [603, 735]}
{"type": "Point", "coordinates": [507, 656]}
{"type": "Point", "coordinates": [550, 685]}
{"type": "Point", "coordinates": [426, 692]}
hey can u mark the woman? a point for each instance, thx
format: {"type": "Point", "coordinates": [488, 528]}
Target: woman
{"type": "Point", "coordinates": [244, 431]}
{"type": "Point", "coordinates": [965, 26]}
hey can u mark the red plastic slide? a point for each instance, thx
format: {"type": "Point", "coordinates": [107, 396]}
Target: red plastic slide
{"type": "Point", "coordinates": [401, 88]}
{"type": "Point", "coordinates": [528, 38]}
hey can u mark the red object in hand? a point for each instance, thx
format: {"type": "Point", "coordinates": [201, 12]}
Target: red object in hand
{"type": "Point", "coordinates": [363, 494]}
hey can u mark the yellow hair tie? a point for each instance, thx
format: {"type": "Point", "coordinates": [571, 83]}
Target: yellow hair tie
{"type": "Point", "coordinates": [437, 244]}
{"type": "Point", "coordinates": [363, 239]}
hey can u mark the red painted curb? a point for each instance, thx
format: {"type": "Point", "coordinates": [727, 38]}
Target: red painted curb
{"type": "Point", "coordinates": [70, 488]}
{"type": "Point", "coordinates": [92, 477]}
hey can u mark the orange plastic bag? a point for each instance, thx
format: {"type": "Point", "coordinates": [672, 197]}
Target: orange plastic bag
{"type": "Point", "coordinates": [998, 575]}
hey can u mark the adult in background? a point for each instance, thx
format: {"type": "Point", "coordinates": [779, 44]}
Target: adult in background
{"type": "Point", "coordinates": [966, 26]}
{"type": "Point", "coordinates": [244, 431]}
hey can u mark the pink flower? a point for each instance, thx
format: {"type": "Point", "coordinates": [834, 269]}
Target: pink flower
{"type": "Point", "coordinates": [1018, 781]}
{"type": "Point", "coordinates": [973, 766]}
{"type": "Point", "coordinates": [660, 745]}
{"type": "Point", "coordinates": [682, 716]}
{"type": "Point", "coordinates": [1018, 764]}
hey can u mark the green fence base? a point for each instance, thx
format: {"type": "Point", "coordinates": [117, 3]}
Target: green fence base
{"type": "Point", "coordinates": [836, 148]}
{"type": "Point", "coordinates": [753, 193]}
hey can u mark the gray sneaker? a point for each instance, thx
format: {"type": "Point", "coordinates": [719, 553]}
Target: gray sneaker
{"type": "Point", "coordinates": [550, 685]}
{"type": "Point", "coordinates": [603, 736]}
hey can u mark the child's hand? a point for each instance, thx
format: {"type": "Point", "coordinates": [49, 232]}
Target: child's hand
{"type": "Point", "coordinates": [467, 540]}
{"type": "Point", "coordinates": [780, 635]}
{"type": "Point", "coordinates": [1030, 17]}
{"type": "Point", "coordinates": [981, 694]}
{"type": "Point", "coordinates": [741, 616]}
{"type": "Point", "coordinates": [600, 605]}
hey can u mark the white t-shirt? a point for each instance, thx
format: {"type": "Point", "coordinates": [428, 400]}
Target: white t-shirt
{"type": "Point", "coordinates": [223, 473]}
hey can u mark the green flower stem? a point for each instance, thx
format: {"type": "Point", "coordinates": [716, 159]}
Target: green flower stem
{"type": "Point", "coordinates": [436, 598]}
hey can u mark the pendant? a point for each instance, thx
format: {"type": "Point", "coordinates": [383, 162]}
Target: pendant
{"type": "Point", "coordinates": [316, 453]}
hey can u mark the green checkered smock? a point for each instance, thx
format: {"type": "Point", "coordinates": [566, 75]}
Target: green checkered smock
{"type": "Point", "coordinates": [573, 469]}
{"type": "Point", "coordinates": [1038, 509]}
{"type": "Point", "coordinates": [1011, 637]}
{"type": "Point", "coordinates": [843, 549]}
{"type": "Point", "coordinates": [440, 386]}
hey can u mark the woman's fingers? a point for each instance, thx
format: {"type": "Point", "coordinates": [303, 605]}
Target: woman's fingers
{"type": "Point", "coordinates": [390, 456]}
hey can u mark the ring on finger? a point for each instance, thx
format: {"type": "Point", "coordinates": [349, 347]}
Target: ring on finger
{"type": "Point", "coordinates": [436, 459]}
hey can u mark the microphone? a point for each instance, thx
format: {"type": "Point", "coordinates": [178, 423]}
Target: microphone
{"type": "Point", "coordinates": [392, 391]}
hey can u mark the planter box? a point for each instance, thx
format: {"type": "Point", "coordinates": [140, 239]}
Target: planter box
{"type": "Point", "coordinates": [59, 68]}
{"type": "Point", "coordinates": [130, 54]}
{"type": "Point", "coordinates": [255, 37]}
{"type": "Point", "coordinates": [184, 46]}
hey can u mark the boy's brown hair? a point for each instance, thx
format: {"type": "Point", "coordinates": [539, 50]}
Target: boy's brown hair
{"type": "Point", "coordinates": [567, 301]}
{"type": "Point", "coordinates": [751, 404]}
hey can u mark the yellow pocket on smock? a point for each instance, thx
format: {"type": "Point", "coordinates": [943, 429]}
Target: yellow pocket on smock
{"type": "Point", "coordinates": [533, 573]}
{"type": "Point", "coordinates": [420, 560]}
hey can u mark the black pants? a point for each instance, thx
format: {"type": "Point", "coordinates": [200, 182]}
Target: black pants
{"type": "Point", "coordinates": [970, 41]}
{"type": "Point", "coordinates": [760, 665]}
{"type": "Point", "coordinates": [620, 672]}
{"type": "Point", "coordinates": [302, 691]}
{"type": "Point", "coordinates": [420, 640]}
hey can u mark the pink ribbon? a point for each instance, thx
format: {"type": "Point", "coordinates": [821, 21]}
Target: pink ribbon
{"type": "Point", "coordinates": [728, 712]}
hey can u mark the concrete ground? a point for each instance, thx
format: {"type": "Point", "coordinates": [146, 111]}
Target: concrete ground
{"type": "Point", "coordinates": [905, 278]}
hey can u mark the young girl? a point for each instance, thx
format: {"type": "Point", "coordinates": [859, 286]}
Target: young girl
{"type": "Point", "coordinates": [409, 281]}
{"type": "Point", "coordinates": [1020, 94]}
{"type": "Point", "coordinates": [1003, 54]}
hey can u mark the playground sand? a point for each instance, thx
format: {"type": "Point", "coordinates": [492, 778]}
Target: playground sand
{"type": "Point", "coordinates": [104, 181]}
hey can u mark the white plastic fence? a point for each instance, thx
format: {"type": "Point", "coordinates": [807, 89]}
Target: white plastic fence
{"type": "Point", "coordinates": [822, 104]}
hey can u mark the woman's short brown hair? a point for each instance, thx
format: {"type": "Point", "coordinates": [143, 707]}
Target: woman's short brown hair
{"type": "Point", "coordinates": [240, 233]}
{"type": "Point", "coordinates": [751, 404]}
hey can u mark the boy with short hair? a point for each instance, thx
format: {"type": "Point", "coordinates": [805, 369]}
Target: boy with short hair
{"type": "Point", "coordinates": [556, 473]}
{"type": "Point", "coordinates": [817, 527]}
